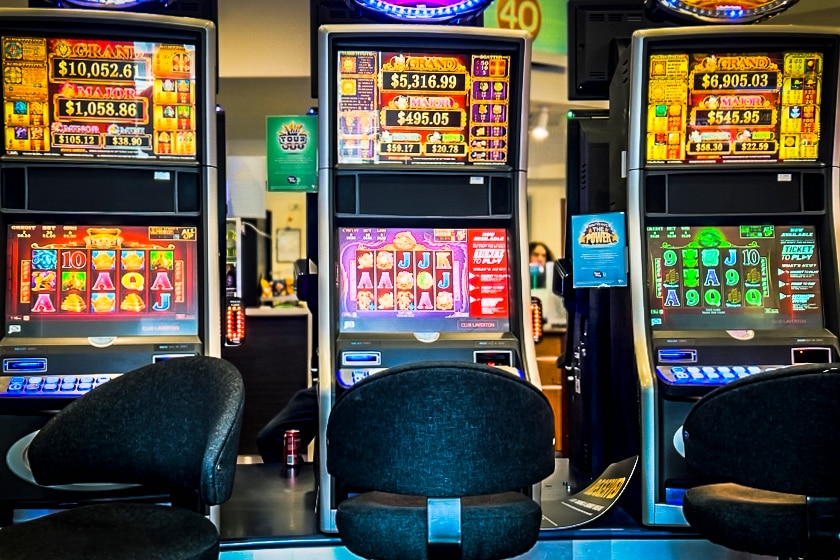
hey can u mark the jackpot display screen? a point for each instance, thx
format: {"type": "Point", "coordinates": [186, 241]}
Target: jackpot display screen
{"type": "Point", "coordinates": [422, 280]}
{"type": "Point", "coordinates": [72, 281]}
{"type": "Point", "coordinates": [422, 107]}
{"type": "Point", "coordinates": [98, 98]}
{"type": "Point", "coordinates": [756, 277]}
{"type": "Point", "coordinates": [734, 107]}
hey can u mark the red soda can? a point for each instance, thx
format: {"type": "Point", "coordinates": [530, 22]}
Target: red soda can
{"type": "Point", "coordinates": [291, 447]}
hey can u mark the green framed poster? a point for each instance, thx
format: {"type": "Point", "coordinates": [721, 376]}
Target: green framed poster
{"type": "Point", "coordinates": [292, 153]}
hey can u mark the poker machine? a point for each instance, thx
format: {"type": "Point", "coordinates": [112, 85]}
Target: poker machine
{"type": "Point", "coordinates": [422, 239]}
{"type": "Point", "coordinates": [108, 208]}
{"type": "Point", "coordinates": [732, 222]}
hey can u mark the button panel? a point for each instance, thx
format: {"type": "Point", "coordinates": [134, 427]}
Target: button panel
{"type": "Point", "coordinates": [708, 375]}
{"type": "Point", "coordinates": [52, 385]}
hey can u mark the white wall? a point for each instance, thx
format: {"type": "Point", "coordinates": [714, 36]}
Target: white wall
{"type": "Point", "coordinates": [263, 38]}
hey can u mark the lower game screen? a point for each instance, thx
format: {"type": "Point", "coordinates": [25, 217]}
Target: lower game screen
{"type": "Point", "coordinates": [414, 280]}
{"type": "Point", "coordinates": [71, 281]}
{"type": "Point", "coordinates": [734, 277]}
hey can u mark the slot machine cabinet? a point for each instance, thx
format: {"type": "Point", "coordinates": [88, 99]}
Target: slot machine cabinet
{"type": "Point", "coordinates": [422, 240]}
{"type": "Point", "coordinates": [108, 211]}
{"type": "Point", "coordinates": [732, 221]}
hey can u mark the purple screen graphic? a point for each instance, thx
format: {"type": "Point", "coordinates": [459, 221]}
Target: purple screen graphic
{"type": "Point", "coordinates": [417, 280]}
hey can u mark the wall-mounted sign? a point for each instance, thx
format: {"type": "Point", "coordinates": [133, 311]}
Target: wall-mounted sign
{"type": "Point", "coordinates": [421, 11]}
{"type": "Point", "coordinates": [292, 153]}
{"type": "Point", "coordinates": [545, 20]}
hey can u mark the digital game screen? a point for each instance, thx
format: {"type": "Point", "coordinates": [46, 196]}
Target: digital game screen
{"type": "Point", "coordinates": [72, 281]}
{"type": "Point", "coordinates": [92, 98]}
{"type": "Point", "coordinates": [733, 277]}
{"type": "Point", "coordinates": [731, 107]}
{"type": "Point", "coordinates": [423, 107]}
{"type": "Point", "coordinates": [422, 280]}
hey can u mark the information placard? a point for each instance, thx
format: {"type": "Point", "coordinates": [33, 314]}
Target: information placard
{"type": "Point", "coordinates": [599, 250]}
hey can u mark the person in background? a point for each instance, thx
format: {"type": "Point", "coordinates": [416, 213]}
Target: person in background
{"type": "Point", "coordinates": [539, 255]}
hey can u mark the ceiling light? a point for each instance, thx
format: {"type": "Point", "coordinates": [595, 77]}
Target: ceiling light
{"type": "Point", "coordinates": [540, 130]}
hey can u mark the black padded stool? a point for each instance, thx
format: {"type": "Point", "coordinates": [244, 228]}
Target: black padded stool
{"type": "Point", "coordinates": [769, 446]}
{"type": "Point", "coordinates": [445, 450]}
{"type": "Point", "coordinates": [171, 425]}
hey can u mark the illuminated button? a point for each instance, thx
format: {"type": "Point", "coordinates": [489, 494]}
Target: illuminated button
{"type": "Point", "coordinates": [693, 369]}
{"type": "Point", "coordinates": [50, 387]}
{"type": "Point", "coordinates": [17, 379]}
{"type": "Point", "coordinates": [698, 375]}
{"type": "Point", "coordinates": [36, 380]}
{"type": "Point", "coordinates": [754, 369]}
{"type": "Point", "coordinates": [665, 374]}
{"type": "Point", "coordinates": [70, 379]}
{"type": "Point", "coordinates": [52, 379]}
{"type": "Point", "coordinates": [86, 379]}
{"type": "Point", "coordinates": [85, 386]}
{"type": "Point", "coordinates": [15, 387]}
{"type": "Point", "coordinates": [677, 369]}
{"type": "Point", "coordinates": [102, 379]}
{"type": "Point", "coordinates": [32, 387]}
{"type": "Point", "coordinates": [68, 387]}
{"type": "Point", "coordinates": [739, 370]}
{"type": "Point", "coordinates": [713, 374]}
{"type": "Point", "coordinates": [723, 370]}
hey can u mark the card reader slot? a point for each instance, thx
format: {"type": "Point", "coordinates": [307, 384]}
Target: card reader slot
{"type": "Point", "coordinates": [24, 365]}
{"type": "Point", "coordinates": [677, 356]}
{"type": "Point", "coordinates": [359, 358]}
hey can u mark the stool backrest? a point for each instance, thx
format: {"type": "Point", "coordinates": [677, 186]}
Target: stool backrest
{"type": "Point", "coordinates": [441, 429]}
{"type": "Point", "coordinates": [778, 430]}
{"type": "Point", "coordinates": [172, 424]}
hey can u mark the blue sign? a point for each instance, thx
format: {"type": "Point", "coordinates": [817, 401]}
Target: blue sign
{"type": "Point", "coordinates": [599, 247]}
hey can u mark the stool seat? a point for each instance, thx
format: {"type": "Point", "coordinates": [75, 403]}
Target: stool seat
{"type": "Point", "coordinates": [172, 426]}
{"type": "Point", "coordinates": [762, 452]}
{"type": "Point", "coordinates": [443, 452]}
{"type": "Point", "coordinates": [109, 531]}
{"type": "Point", "coordinates": [394, 526]}
{"type": "Point", "coordinates": [744, 518]}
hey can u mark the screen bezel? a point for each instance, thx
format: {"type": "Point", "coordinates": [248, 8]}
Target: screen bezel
{"type": "Point", "coordinates": [197, 324]}
{"type": "Point", "coordinates": [825, 275]}
{"type": "Point", "coordinates": [106, 29]}
{"type": "Point", "coordinates": [759, 43]}
{"type": "Point", "coordinates": [473, 44]}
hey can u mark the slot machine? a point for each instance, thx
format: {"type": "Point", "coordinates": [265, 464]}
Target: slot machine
{"type": "Point", "coordinates": [108, 211]}
{"type": "Point", "coordinates": [422, 239]}
{"type": "Point", "coordinates": [732, 222]}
